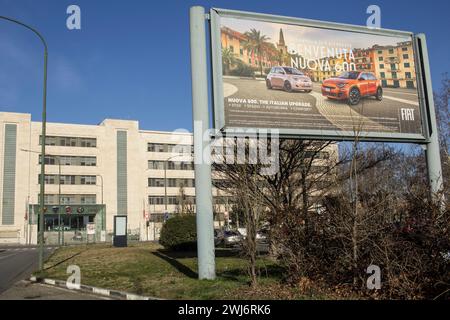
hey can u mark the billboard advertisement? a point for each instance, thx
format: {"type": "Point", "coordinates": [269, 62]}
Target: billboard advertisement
{"type": "Point", "coordinates": [304, 78]}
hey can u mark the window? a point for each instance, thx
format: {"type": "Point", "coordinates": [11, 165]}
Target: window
{"type": "Point", "coordinates": [231, 48]}
{"type": "Point", "coordinates": [67, 179]}
{"type": "Point", "coordinates": [69, 141]}
{"type": "Point", "coordinates": [407, 65]}
{"type": "Point", "coordinates": [393, 66]}
{"type": "Point", "coordinates": [380, 52]}
{"type": "Point", "coordinates": [391, 51]}
{"type": "Point", "coordinates": [156, 165]}
{"type": "Point", "coordinates": [68, 199]}
{"type": "Point", "coordinates": [394, 75]}
{"type": "Point", "coordinates": [172, 182]}
{"type": "Point", "coordinates": [70, 161]}
{"type": "Point", "coordinates": [156, 200]}
{"type": "Point", "coordinates": [88, 180]}
{"type": "Point", "coordinates": [172, 148]}
{"type": "Point", "coordinates": [380, 58]}
{"type": "Point", "coordinates": [404, 48]}
{"type": "Point", "coordinates": [382, 75]}
{"type": "Point", "coordinates": [88, 199]}
{"type": "Point", "coordinates": [241, 51]}
{"type": "Point", "coordinates": [408, 75]}
{"type": "Point", "coordinates": [155, 147]}
{"type": "Point", "coordinates": [405, 56]}
{"type": "Point", "coordinates": [381, 66]}
{"type": "Point", "coordinates": [155, 182]}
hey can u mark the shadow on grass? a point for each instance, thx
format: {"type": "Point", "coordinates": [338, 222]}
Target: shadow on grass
{"type": "Point", "coordinates": [219, 253]}
{"type": "Point", "coordinates": [234, 274]}
{"type": "Point", "coordinates": [65, 260]}
{"type": "Point", "coordinates": [177, 265]}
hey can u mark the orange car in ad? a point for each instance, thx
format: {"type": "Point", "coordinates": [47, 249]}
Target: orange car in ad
{"type": "Point", "coordinates": [352, 86]}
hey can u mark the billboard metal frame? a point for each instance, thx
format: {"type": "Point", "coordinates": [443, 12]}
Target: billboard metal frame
{"type": "Point", "coordinates": [201, 119]}
{"type": "Point", "coordinates": [335, 135]}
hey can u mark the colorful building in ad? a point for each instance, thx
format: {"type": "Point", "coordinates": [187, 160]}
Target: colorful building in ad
{"type": "Point", "coordinates": [395, 66]}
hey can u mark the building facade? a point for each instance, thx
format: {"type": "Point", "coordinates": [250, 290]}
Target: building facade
{"type": "Point", "coordinates": [104, 170]}
{"type": "Point", "coordinates": [93, 173]}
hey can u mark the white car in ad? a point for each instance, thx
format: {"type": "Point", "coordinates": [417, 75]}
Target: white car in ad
{"type": "Point", "coordinates": [289, 79]}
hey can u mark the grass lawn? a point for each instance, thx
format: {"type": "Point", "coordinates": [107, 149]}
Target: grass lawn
{"type": "Point", "coordinates": [147, 269]}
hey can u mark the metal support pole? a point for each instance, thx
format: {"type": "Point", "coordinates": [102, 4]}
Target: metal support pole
{"type": "Point", "coordinates": [203, 183]}
{"type": "Point", "coordinates": [165, 186]}
{"type": "Point", "coordinates": [59, 201]}
{"type": "Point", "coordinates": [432, 152]}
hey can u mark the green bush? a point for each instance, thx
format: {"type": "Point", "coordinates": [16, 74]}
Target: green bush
{"type": "Point", "coordinates": [179, 234]}
{"type": "Point", "coordinates": [243, 70]}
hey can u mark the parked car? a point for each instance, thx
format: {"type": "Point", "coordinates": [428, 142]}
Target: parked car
{"type": "Point", "coordinates": [232, 238]}
{"type": "Point", "coordinates": [218, 237]}
{"type": "Point", "coordinates": [289, 79]}
{"type": "Point", "coordinates": [352, 86]}
{"type": "Point", "coordinates": [227, 238]}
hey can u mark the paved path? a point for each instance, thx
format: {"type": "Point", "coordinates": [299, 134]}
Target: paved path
{"type": "Point", "coordinates": [24, 290]}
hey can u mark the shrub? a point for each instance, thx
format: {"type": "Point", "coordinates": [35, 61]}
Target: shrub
{"type": "Point", "coordinates": [179, 233]}
{"type": "Point", "coordinates": [243, 70]}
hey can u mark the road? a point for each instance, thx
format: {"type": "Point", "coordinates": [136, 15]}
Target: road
{"type": "Point", "coordinates": [18, 263]}
{"type": "Point", "coordinates": [316, 111]}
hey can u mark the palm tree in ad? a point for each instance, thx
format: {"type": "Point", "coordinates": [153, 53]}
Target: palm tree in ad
{"type": "Point", "coordinates": [228, 60]}
{"type": "Point", "coordinates": [256, 44]}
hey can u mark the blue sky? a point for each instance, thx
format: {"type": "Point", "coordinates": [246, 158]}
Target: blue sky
{"type": "Point", "coordinates": [131, 58]}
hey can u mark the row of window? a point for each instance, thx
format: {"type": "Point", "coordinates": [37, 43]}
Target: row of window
{"type": "Point", "coordinates": [171, 165]}
{"type": "Point", "coordinates": [175, 200]}
{"type": "Point", "coordinates": [405, 56]}
{"type": "Point", "coordinates": [82, 161]}
{"type": "Point", "coordinates": [69, 141]}
{"type": "Point", "coordinates": [70, 199]}
{"type": "Point", "coordinates": [391, 51]}
{"type": "Point", "coordinates": [171, 200]}
{"type": "Point", "coordinates": [171, 182]}
{"type": "Point", "coordinates": [170, 148]}
{"type": "Point", "coordinates": [69, 179]}
{"type": "Point", "coordinates": [394, 66]}
{"type": "Point", "coordinates": [408, 75]}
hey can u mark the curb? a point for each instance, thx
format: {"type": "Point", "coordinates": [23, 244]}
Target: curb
{"type": "Point", "coordinates": [88, 289]}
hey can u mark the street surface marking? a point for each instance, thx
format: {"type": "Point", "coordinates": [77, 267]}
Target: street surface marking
{"type": "Point", "coordinates": [229, 89]}
{"type": "Point", "coordinates": [414, 103]}
{"type": "Point", "coordinates": [342, 114]}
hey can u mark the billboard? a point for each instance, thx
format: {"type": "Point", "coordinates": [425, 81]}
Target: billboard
{"type": "Point", "coordinates": [315, 79]}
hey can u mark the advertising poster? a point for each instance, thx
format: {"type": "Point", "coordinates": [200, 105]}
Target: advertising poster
{"type": "Point", "coordinates": [302, 77]}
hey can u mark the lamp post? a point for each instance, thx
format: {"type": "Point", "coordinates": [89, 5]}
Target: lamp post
{"type": "Point", "coordinates": [103, 207]}
{"type": "Point", "coordinates": [60, 238]}
{"type": "Point", "coordinates": [44, 125]}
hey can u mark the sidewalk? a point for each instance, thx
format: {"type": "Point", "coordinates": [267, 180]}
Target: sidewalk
{"type": "Point", "coordinates": [26, 290]}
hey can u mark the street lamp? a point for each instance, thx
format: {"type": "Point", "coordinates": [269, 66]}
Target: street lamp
{"type": "Point", "coordinates": [103, 210]}
{"type": "Point", "coordinates": [44, 125]}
